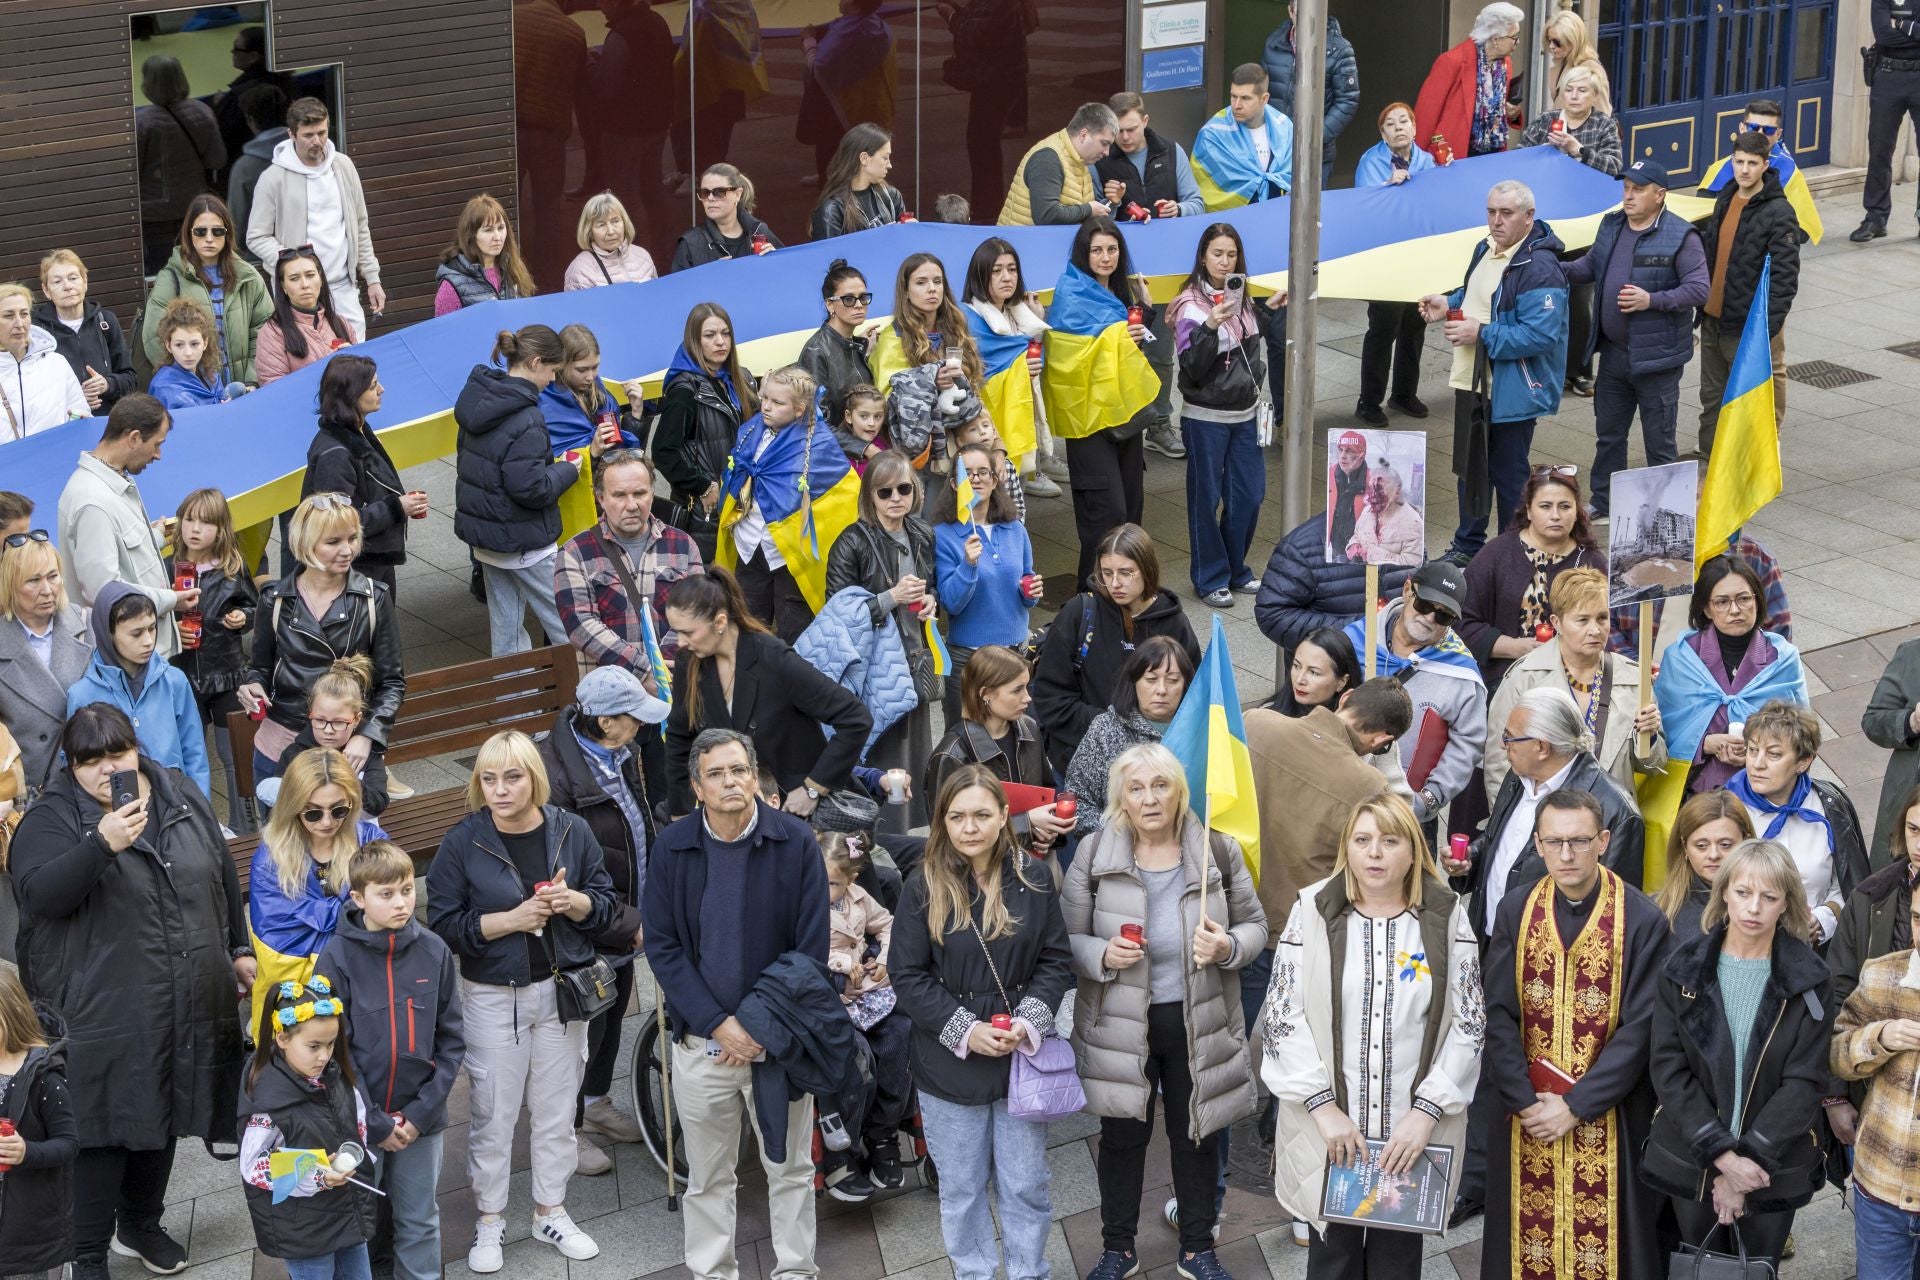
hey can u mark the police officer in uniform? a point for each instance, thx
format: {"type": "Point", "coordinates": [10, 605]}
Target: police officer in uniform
{"type": "Point", "coordinates": [1893, 69]}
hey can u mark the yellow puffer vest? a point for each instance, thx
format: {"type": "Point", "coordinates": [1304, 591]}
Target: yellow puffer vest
{"type": "Point", "coordinates": [1077, 188]}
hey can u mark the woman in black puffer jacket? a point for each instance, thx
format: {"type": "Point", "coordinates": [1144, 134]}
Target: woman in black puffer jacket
{"type": "Point", "coordinates": [1740, 1139]}
{"type": "Point", "coordinates": [347, 457]}
{"type": "Point", "coordinates": [507, 487]}
{"type": "Point", "coordinates": [706, 397]}
{"type": "Point", "coordinates": [292, 648]}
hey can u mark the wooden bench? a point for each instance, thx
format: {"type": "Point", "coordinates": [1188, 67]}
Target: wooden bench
{"type": "Point", "coordinates": [450, 710]}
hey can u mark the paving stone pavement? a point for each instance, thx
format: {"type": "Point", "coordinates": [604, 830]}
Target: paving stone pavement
{"type": "Point", "coordinates": [1847, 535]}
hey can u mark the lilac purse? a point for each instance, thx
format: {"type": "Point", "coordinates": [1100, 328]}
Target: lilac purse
{"type": "Point", "coordinates": [1043, 1085]}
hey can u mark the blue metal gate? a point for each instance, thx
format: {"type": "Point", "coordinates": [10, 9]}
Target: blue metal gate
{"type": "Point", "coordinates": [1684, 70]}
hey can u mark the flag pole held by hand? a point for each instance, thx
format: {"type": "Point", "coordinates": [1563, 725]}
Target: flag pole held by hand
{"type": "Point", "coordinates": [1643, 745]}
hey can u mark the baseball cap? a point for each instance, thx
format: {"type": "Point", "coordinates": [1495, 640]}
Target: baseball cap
{"type": "Point", "coordinates": [1441, 582]}
{"type": "Point", "coordinates": [1351, 440]}
{"type": "Point", "coordinates": [615, 691]}
{"type": "Point", "coordinates": [1646, 173]}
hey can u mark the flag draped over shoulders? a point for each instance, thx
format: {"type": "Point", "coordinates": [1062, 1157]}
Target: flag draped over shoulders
{"type": "Point", "coordinates": [1008, 394]}
{"type": "Point", "coordinates": [1689, 695]}
{"type": "Point", "coordinates": [1094, 377]}
{"type": "Point", "coordinates": [806, 492]}
{"type": "Point", "coordinates": [1793, 184]}
{"type": "Point", "coordinates": [1226, 168]}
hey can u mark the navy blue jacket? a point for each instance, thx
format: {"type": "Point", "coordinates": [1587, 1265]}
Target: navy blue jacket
{"type": "Point", "coordinates": [1341, 86]}
{"type": "Point", "coordinates": [403, 1019]}
{"type": "Point", "coordinates": [1660, 338]}
{"type": "Point", "coordinates": [795, 1014]}
{"type": "Point", "coordinates": [473, 876]}
{"type": "Point", "coordinates": [1526, 341]}
{"type": "Point", "coordinates": [1300, 592]}
{"type": "Point", "coordinates": [785, 909]}
{"type": "Point", "coordinates": [507, 486]}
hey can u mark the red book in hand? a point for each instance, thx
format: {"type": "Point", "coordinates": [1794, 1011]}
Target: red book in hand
{"type": "Point", "coordinates": [1545, 1077]}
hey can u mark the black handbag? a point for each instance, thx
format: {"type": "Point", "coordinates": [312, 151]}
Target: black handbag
{"type": "Point", "coordinates": [584, 992]}
{"type": "Point", "coordinates": [1697, 1262]}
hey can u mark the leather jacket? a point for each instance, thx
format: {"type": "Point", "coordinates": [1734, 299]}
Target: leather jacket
{"type": "Point", "coordinates": [291, 650]}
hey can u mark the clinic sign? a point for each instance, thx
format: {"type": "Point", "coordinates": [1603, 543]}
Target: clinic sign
{"type": "Point", "coordinates": [1173, 46]}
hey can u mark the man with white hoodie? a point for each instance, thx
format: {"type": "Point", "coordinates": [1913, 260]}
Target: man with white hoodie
{"type": "Point", "coordinates": [1418, 647]}
{"type": "Point", "coordinates": [311, 194]}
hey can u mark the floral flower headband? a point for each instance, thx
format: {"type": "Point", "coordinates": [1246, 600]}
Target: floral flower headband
{"type": "Point", "coordinates": [291, 1009]}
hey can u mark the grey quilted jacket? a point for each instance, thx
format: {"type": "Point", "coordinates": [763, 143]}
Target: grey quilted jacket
{"type": "Point", "coordinates": [1104, 891]}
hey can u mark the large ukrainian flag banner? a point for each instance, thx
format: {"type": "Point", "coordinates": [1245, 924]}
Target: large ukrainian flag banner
{"type": "Point", "coordinates": [1008, 394]}
{"type": "Point", "coordinates": [1094, 376]}
{"type": "Point", "coordinates": [1209, 738]}
{"type": "Point", "coordinates": [1793, 184]}
{"type": "Point", "coordinates": [1744, 473]}
{"type": "Point", "coordinates": [807, 493]}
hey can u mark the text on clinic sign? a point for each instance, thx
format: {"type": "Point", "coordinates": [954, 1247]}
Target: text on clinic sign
{"type": "Point", "coordinates": [1167, 25]}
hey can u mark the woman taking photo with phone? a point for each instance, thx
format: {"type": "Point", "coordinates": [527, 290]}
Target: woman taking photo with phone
{"type": "Point", "coordinates": [1220, 338]}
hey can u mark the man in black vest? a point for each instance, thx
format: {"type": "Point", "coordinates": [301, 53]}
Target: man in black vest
{"type": "Point", "coordinates": [1652, 272]}
{"type": "Point", "coordinates": [1893, 93]}
{"type": "Point", "coordinates": [1158, 181]}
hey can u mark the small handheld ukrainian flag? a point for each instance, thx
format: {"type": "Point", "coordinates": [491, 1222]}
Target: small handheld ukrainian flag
{"type": "Point", "coordinates": [964, 497]}
{"type": "Point", "coordinates": [942, 660]}
{"type": "Point", "coordinates": [1743, 473]}
{"type": "Point", "coordinates": [1209, 737]}
{"type": "Point", "coordinates": [656, 659]}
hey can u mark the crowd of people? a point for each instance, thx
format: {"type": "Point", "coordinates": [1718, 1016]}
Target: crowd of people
{"type": "Point", "coordinates": [825, 777]}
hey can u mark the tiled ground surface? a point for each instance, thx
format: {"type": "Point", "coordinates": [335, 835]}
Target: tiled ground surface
{"type": "Point", "coordinates": [1847, 533]}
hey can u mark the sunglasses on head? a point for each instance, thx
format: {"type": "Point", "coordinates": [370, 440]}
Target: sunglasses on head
{"type": "Point", "coordinates": [853, 299]}
{"type": "Point", "coordinates": [893, 491]}
{"type": "Point", "coordinates": [17, 540]}
{"type": "Point", "coordinates": [1438, 612]}
{"type": "Point", "coordinates": [338, 813]}
{"type": "Point", "coordinates": [715, 193]}
{"type": "Point", "coordinates": [298, 251]}
{"type": "Point", "coordinates": [1561, 469]}
{"type": "Point", "coordinates": [210, 233]}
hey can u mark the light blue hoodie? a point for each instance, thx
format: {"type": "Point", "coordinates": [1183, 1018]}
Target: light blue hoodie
{"type": "Point", "coordinates": [165, 719]}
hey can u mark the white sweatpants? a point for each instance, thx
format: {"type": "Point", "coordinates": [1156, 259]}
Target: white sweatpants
{"type": "Point", "coordinates": [515, 1040]}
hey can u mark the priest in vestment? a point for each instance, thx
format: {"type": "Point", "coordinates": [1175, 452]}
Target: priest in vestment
{"type": "Point", "coordinates": [1570, 977]}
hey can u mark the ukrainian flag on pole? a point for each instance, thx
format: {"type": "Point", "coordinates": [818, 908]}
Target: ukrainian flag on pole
{"type": "Point", "coordinates": [1008, 394]}
{"type": "Point", "coordinates": [1209, 738]}
{"type": "Point", "coordinates": [1095, 377]}
{"type": "Point", "coordinates": [1744, 474]}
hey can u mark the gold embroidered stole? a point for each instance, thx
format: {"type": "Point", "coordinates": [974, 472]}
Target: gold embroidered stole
{"type": "Point", "coordinates": [1565, 1222]}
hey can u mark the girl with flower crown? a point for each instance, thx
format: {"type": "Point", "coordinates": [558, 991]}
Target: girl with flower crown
{"type": "Point", "coordinates": [306, 1131]}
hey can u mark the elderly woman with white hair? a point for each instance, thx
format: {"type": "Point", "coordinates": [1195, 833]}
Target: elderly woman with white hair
{"type": "Point", "coordinates": [1463, 108]}
{"type": "Point", "coordinates": [1161, 916]}
{"type": "Point", "coordinates": [1391, 530]}
{"type": "Point", "coordinates": [608, 254]}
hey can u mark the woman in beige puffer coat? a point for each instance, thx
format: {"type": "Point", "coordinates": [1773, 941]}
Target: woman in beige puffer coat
{"type": "Point", "coordinates": [1164, 1012]}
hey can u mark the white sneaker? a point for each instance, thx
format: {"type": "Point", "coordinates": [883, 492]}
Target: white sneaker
{"type": "Point", "coordinates": [1302, 1234]}
{"type": "Point", "coordinates": [557, 1229]}
{"type": "Point", "coordinates": [1054, 465]}
{"type": "Point", "coordinates": [592, 1161]}
{"type": "Point", "coordinates": [485, 1256]}
{"type": "Point", "coordinates": [1040, 485]}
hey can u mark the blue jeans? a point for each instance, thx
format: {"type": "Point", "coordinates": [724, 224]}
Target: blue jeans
{"type": "Point", "coordinates": [1253, 991]}
{"type": "Point", "coordinates": [1616, 397]}
{"type": "Point", "coordinates": [1226, 483]}
{"type": "Point", "coordinates": [411, 1179]}
{"type": "Point", "coordinates": [349, 1263]}
{"type": "Point", "coordinates": [1508, 446]}
{"type": "Point", "coordinates": [510, 593]}
{"type": "Point", "coordinates": [969, 1145]}
{"type": "Point", "coordinates": [1886, 1240]}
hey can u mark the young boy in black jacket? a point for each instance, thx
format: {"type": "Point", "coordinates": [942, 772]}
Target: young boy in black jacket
{"type": "Point", "coordinates": [402, 993]}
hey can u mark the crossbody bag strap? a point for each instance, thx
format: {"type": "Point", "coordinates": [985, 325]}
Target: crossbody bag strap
{"type": "Point", "coordinates": [991, 967]}
{"type": "Point", "coordinates": [618, 555]}
{"type": "Point", "coordinates": [13, 421]}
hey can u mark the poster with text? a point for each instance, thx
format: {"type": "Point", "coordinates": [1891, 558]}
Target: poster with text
{"type": "Point", "coordinates": [1376, 497]}
{"type": "Point", "coordinates": [1650, 537]}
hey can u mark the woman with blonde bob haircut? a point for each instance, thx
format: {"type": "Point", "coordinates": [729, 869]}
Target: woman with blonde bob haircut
{"type": "Point", "coordinates": [33, 686]}
{"type": "Point", "coordinates": [1385, 942]}
{"type": "Point", "coordinates": [298, 881]}
{"type": "Point", "coordinates": [979, 933]}
{"type": "Point", "coordinates": [518, 890]}
{"type": "Point", "coordinates": [1740, 1138]}
{"type": "Point", "coordinates": [608, 254]}
{"type": "Point", "coordinates": [1161, 1008]}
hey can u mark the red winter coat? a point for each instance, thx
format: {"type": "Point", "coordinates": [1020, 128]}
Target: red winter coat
{"type": "Point", "coordinates": [1445, 105]}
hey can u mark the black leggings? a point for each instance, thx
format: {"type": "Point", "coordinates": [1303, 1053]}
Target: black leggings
{"type": "Point", "coordinates": [113, 1184]}
{"type": "Point", "coordinates": [774, 597]}
{"type": "Point", "coordinates": [1122, 1162]}
{"type": "Point", "coordinates": [1107, 476]}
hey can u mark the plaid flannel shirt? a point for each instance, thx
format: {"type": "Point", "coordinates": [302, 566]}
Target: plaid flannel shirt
{"type": "Point", "coordinates": [1886, 1154]}
{"type": "Point", "coordinates": [600, 621]}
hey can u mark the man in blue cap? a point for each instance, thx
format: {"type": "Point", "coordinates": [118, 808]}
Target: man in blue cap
{"type": "Point", "coordinates": [1651, 273]}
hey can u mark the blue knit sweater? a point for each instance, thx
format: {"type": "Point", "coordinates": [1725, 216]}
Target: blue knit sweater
{"type": "Point", "coordinates": [983, 602]}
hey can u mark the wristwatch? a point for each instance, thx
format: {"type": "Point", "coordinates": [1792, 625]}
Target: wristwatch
{"type": "Point", "coordinates": [1430, 798]}
{"type": "Point", "coordinates": [813, 793]}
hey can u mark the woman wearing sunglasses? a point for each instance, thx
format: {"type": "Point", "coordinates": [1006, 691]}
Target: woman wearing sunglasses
{"type": "Point", "coordinates": [298, 882]}
{"type": "Point", "coordinates": [727, 228]}
{"type": "Point", "coordinates": [205, 267]}
{"type": "Point", "coordinates": [836, 354]}
{"type": "Point", "coordinates": [889, 551]}
{"type": "Point", "coordinates": [1510, 580]}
